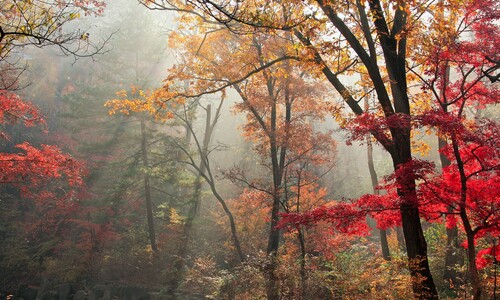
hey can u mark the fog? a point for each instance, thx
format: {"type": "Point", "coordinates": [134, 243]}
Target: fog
{"type": "Point", "coordinates": [181, 207]}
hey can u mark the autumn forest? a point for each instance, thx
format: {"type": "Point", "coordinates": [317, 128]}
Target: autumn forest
{"type": "Point", "coordinates": [277, 149]}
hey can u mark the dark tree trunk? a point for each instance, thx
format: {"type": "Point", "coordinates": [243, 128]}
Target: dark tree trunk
{"type": "Point", "coordinates": [393, 46]}
{"type": "Point", "coordinates": [386, 254]}
{"type": "Point", "coordinates": [303, 274]}
{"type": "Point", "coordinates": [302, 243]}
{"type": "Point", "coordinates": [416, 246]}
{"type": "Point", "coordinates": [423, 285]}
{"type": "Point", "coordinates": [401, 238]}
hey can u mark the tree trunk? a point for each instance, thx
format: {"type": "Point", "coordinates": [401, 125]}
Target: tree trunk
{"type": "Point", "coordinates": [203, 169]}
{"type": "Point", "coordinates": [277, 154]}
{"type": "Point", "coordinates": [272, 250]}
{"type": "Point", "coordinates": [416, 246]}
{"type": "Point", "coordinates": [454, 253]}
{"type": "Point", "coordinates": [471, 249]}
{"type": "Point", "coordinates": [423, 284]}
{"type": "Point", "coordinates": [232, 223]}
{"type": "Point", "coordinates": [302, 243]}
{"type": "Point", "coordinates": [471, 256]}
{"type": "Point", "coordinates": [147, 190]}
{"type": "Point", "coordinates": [386, 254]}
{"type": "Point", "coordinates": [303, 275]}
{"type": "Point", "coordinates": [401, 238]}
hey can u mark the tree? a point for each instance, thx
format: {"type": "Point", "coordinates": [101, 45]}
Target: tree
{"type": "Point", "coordinates": [280, 112]}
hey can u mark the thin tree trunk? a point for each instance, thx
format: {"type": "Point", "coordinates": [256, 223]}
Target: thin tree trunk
{"type": "Point", "coordinates": [205, 172]}
{"type": "Point", "coordinates": [386, 254]}
{"type": "Point", "coordinates": [147, 190]}
{"type": "Point", "coordinates": [232, 223]}
{"type": "Point", "coordinates": [301, 238]}
{"type": "Point", "coordinates": [272, 250]}
{"type": "Point", "coordinates": [196, 200]}
{"type": "Point", "coordinates": [471, 248]}
{"type": "Point", "coordinates": [374, 178]}
{"type": "Point", "coordinates": [303, 274]}
{"type": "Point", "coordinates": [278, 154]}
{"type": "Point", "coordinates": [454, 253]}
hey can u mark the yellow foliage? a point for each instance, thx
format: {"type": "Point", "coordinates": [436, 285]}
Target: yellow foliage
{"type": "Point", "coordinates": [175, 218]}
{"type": "Point", "coordinates": [420, 147]}
{"type": "Point", "coordinates": [155, 103]}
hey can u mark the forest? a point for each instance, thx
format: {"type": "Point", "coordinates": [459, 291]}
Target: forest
{"type": "Point", "coordinates": [257, 149]}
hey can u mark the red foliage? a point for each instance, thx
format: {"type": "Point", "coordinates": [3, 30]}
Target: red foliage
{"type": "Point", "coordinates": [368, 123]}
{"type": "Point", "coordinates": [488, 256]}
{"type": "Point", "coordinates": [14, 110]}
{"type": "Point", "coordinates": [383, 208]}
{"type": "Point", "coordinates": [457, 70]}
{"type": "Point", "coordinates": [345, 217]}
{"type": "Point", "coordinates": [31, 168]}
{"type": "Point", "coordinates": [36, 166]}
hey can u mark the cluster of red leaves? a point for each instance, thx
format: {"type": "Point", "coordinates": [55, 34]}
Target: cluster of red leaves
{"type": "Point", "coordinates": [36, 166]}
{"type": "Point", "coordinates": [344, 217]}
{"type": "Point", "coordinates": [13, 110]}
{"type": "Point", "coordinates": [51, 184]}
{"type": "Point", "coordinates": [382, 208]}
{"type": "Point", "coordinates": [369, 123]}
{"type": "Point", "coordinates": [482, 172]}
{"type": "Point", "coordinates": [446, 123]}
